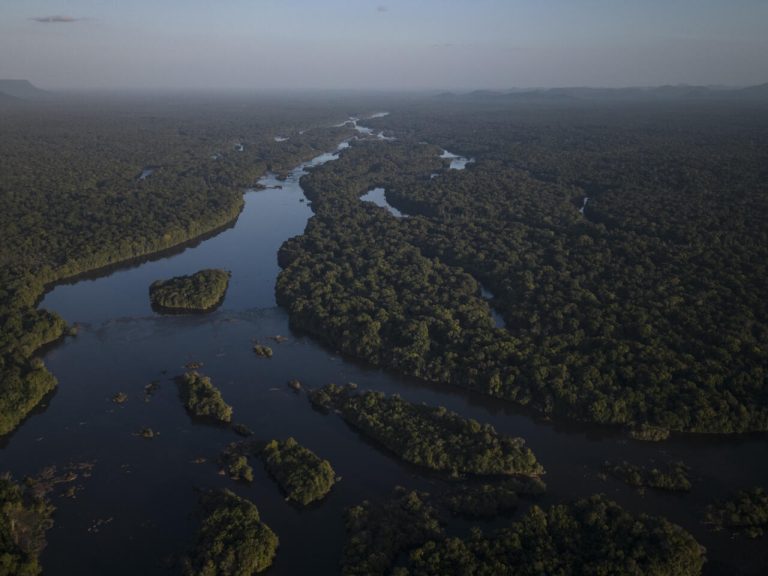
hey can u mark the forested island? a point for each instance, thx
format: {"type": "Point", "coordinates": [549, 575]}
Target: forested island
{"type": "Point", "coordinates": [198, 292]}
{"type": "Point", "coordinates": [231, 540]}
{"type": "Point", "coordinates": [202, 399]}
{"type": "Point", "coordinates": [672, 477]}
{"type": "Point", "coordinates": [303, 476]}
{"type": "Point", "coordinates": [234, 461]}
{"type": "Point", "coordinates": [432, 437]}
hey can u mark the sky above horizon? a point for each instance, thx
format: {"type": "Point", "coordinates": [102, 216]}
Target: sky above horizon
{"type": "Point", "coordinates": [382, 44]}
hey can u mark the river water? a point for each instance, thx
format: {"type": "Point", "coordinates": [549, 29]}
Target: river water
{"type": "Point", "coordinates": [135, 512]}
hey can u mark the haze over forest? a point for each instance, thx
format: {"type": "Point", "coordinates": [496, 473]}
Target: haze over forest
{"type": "Point", "coordinates": [382, 44]}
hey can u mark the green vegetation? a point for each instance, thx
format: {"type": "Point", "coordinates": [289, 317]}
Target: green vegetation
{"type": "Point", "coordinates": [746, 513]}
{"type": "Point", "coordinates": [672, 477]}
{"type": "Point", "coordinates": [431, 437]}
{"type": "Point", "coordinates": [242, 430]}
{"type": "Point", "coordinates": [593, 536]}
{"type": "Point", "coordinates": [24, 382]}
{"type": "Point", "coordinates": [647, 311]}
{"type": "Point", "coordinates": [24, 520]}
{"type": "Point", "coordinates": [234, 462]}
{"type": "Point", "coordinates": [294, 385]}
{"type": "Point", "coordinates": [202, 399]}
{"type": "Point", "coordinates": [232, 540]}
{"type": "Point", "coordinates": [303, 476]}
{"type": "Point", "coordinates": [199, 292]}
{"type": "Point", "coordinates": [378, 531]}
{"type": "Point", "coordinates": [262, 351]}
{"type": "Point", "coordinates": [649, 433]}
{"type": "Point", "coordinates": [71, 202]}
{"type": "Point", "coordinates": [488, 500]}
{"type": "Point", "coordinates": [147, 433]}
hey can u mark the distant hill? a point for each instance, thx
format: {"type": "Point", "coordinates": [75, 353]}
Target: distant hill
{"type": "Point", "coordinates": [23, 90]}
{"type": "Point", "coordinates": [756, 92]}
{"type": "Point", "coordinates": [656, 93]}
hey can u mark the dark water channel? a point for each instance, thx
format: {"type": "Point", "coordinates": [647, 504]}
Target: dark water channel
{"type": "Point", "coordinates": [135, 512]}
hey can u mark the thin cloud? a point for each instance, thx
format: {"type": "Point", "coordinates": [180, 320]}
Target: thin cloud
{"type": "Point", "coordinates": [382, 8]}
{"type": "Point", "coordinates": [56, 19]}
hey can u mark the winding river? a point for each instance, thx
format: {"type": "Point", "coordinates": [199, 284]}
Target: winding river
{"type": "Point", "coordinates": [134, 513]}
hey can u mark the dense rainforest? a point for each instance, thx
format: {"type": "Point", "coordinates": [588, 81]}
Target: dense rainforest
{"type": "Point", "coordinates": [24, 519]}
{"type": "Point", "coordinates": [407, 534]}
{"type": "Point", "coordinates": [592, 536]}
{"type": "Point", "coordinates": [642, 306]}
{"type": "Point", "coordinates": [616, 310]}
{"type": "Point", "coordinates": [76, 194]}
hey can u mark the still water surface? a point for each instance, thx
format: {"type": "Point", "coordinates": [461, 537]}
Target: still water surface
{"type": "Point", "coordinates": [135, 513]}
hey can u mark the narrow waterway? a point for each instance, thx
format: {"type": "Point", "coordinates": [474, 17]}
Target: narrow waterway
{"type": "Point", "coordinates": [142, 493]}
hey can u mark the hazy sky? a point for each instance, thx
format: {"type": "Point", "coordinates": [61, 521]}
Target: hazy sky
{"type": "Point", "coordinates": [382, 44]}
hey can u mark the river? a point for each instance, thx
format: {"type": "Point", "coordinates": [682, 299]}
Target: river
{"type": "Point", "coordinates": [135, 512]}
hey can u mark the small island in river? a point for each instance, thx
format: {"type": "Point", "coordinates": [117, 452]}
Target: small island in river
{"type": "Point", "coordinates": [199, 292]}
{"type": "Point", "coordinates": [300, 472]}
{"type": "Point", "coordinates": [202, 399]}
{"type": "Point", "coordinates": [433, 438]}
{"type": "Point", "coordinates": [231, 539]}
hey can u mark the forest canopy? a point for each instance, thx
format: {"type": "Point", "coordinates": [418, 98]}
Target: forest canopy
{"type": "Point", "coordinates": [646, 309]}
{"type": "Point", "coordinates": [202, 399]}
{"type": "Point", "coordinates": [24, 519]}
{"type": "Point", "coordinates": [231, 540]}
{"type": "Point", "coordinates": [592, 536]}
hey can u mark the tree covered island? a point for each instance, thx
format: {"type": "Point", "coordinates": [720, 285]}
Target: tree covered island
{"type": "Point", "coordinates": [672, 476]}
{"type": "Point", "coordinates": [202, 399]}
{"type": "Point", "coordinates": [232, 540]}
{"type": "Point", "coordinates": [431, 437]}
{"type": "Point", "coordinates": [303, 476]}
{"type": "Point", "coordinates": [198, 292]}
